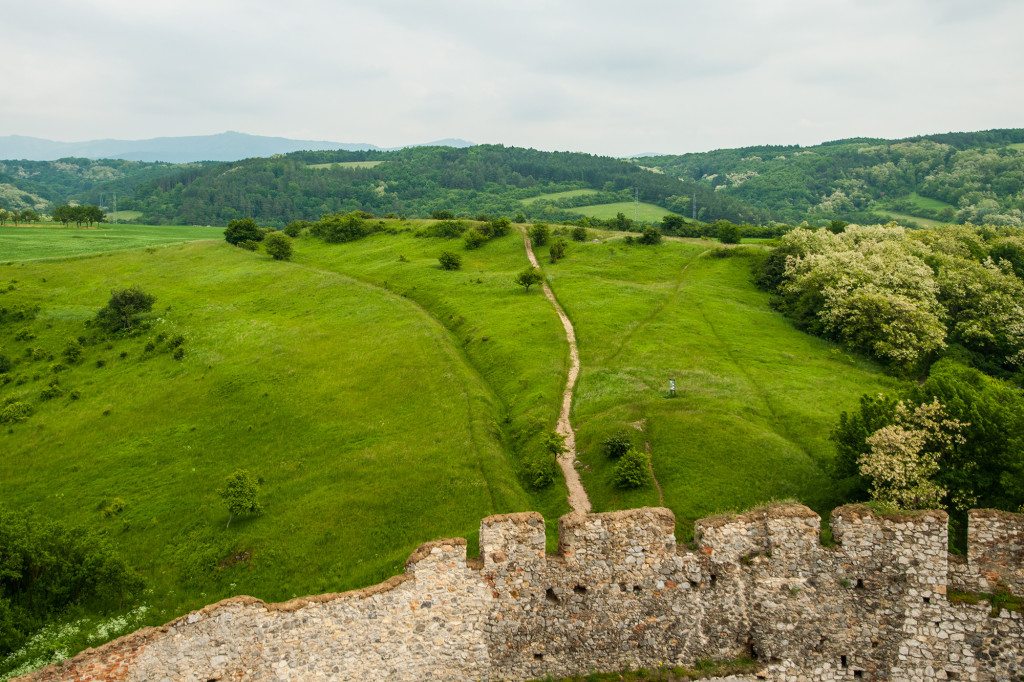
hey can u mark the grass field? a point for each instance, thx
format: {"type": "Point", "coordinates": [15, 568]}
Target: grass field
{"type": "Point", "coordinates": [756, 397]}
{"type": "Point", "coordinates": [923, 222]}
{"type": "Point", "coordinates": [124, 215]}
{"type": "Point", "coordinates": [56, 241]}
{"type": "Point", "coordinates": [1016, 145]}
{"type": "Point", "coordinates": [648, 213]}
{"type": "Point", "coordinates": [927, 202]}
{"type": "Point", "coordinates": [555, 196]}
{"type": "Point", "coordinates": [345, 164]}
{"type": "Point", "coordinates": [363, 413]}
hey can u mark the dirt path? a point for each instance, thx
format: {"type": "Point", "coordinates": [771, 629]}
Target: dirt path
{"type": "Point", "coordinates": [578, 500]}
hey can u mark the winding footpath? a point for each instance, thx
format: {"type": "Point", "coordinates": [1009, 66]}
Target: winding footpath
{"type": "Point", "coordinates": [578, 500]}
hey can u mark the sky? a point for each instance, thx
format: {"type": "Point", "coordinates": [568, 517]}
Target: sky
{"type": "Point", "coordinates": [606, 77]}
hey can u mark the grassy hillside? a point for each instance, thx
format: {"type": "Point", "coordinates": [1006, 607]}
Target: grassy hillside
{"type": "Point", "coordinates": [361, 412]}
{"type": "Point", "coordinates": [756, 398]}
{"type": "Point", "coordinates": [56, 241]}
{"type": "Point", "coordinates": [557, 196]}
{"type": "Point", "coordinates": [642, 212]}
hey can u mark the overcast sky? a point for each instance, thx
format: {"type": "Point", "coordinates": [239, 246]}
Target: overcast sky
{"type": "Point", "coordinates": [593, 75]}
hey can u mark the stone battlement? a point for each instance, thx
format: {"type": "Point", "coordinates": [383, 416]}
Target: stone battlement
{"type": "Point", "coordinates": [620, 593]}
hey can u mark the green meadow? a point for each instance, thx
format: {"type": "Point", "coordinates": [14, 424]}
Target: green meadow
{"type": "Point", "coordinates": [648, 213]}
{"type": "Point", "coordinates": [756, 398]}
{"type": "Point", "coordinates": [345, 164]}
{"type": "Point", "coordinates": [53, 240]}
{"type": "Point", "coordinates": [555, 196]}
{"type": "Point", "coordinates": [385, 402]}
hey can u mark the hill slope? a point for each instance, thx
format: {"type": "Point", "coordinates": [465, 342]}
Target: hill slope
{"type": "Point", "coordinates": [977, 177]}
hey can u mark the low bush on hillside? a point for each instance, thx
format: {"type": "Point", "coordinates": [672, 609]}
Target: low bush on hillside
{"type": "Point", "coordinates": [278, 246]}
{"type": "Point", "coordinates": [125, 311]}
{"type": "Point", "coordinates": [243, 230]}
{"type": "Point", "coordinates": [528, 277]}
{"type": "Point", "coordinates": [337, 228]}
{"type": "Point", "coordinates": [617, 444]}
{"type": "Point", "coordinates": [449, 261]}
{"type": "Point", "coordinates": [632, 470]}
{"type": "Point", "coordinates": [539, 234]}
{"type": "Point", "coordinates": [649, 236]}
{"type": "Point", "coordinates": [556, 251]}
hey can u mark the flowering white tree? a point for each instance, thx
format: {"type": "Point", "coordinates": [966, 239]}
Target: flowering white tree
{"type": "Point", "coordinates": [903, 461]}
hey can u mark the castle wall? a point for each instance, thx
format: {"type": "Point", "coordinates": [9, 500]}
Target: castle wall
{"type": "Point", "coordinates": [621, 594]}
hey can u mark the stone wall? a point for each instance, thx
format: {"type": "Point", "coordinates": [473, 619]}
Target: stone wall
{"type": "Point", "coordinates": [621, 594]}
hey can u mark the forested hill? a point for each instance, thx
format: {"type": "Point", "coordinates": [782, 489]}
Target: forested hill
{"type": "Point", "coordinates": [953, 177]}
{"type": "Point", "coordinates": [489, 179]}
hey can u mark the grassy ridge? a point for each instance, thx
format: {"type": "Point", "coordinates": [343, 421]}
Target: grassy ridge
{"type": "Point", "coordinates": [55, 241]}
{"type": "Point", "coordinates": [756, 397]}
{"type": "Point", "coordinates": [371, 431]}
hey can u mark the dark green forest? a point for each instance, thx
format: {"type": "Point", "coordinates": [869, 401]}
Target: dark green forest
{"type": "Point", "coordinates": [955, 177]}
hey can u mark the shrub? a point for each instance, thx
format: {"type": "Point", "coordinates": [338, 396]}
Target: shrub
{"type": "Point", "coordinates": [249, 245]}
{"type": "Point", "coordinates": [124, 311]}
{"type": "Point", "coordinates": [557, 250]}
{"type": "Point", "coordinates": [446, 229]}
{"type": "Point", "coordinates": [540, 472]}
{"type": "Point", "coordinates": [474, 238]}
{"type": "Point", "coordinates": [449, 260]}
{"type": "Point", "coordinates": [442, 214]}
{"type": "Point", "coordinates": [243, 230]}
{"type": "Point", "coordinates": [528, 277]}
{"type": "Point", "coordinates": [295, 227]}
{"type": "Point", "coordinates": [72, 352]}
{"type": "Point", "coordinates": [519, 218]}
{"type": "Point", "coordinates": [539, 234]}
{"type": "Point", "coordinates": [649, 236]}
{"type": "Point", "coordinates": [278, 246]}
{"type": "Point", "coordinates": [631, 471]}
{"type": "Point", "coordinates": [179, 353]}
{"type": "Point", "coordinates": [15, 412]}
{"type": "Point", "coordinates": [336, 228]}
{"type": "Point", "coordinates": [617, 444]}
{"type": "Point", "coordinates": [240, 495]}
{"type": "Point", "coordinates": [52, 391]}
{"type": "Point", "coordinates": [554, 443]}
{"type": "Point", "coordinates": [728, 233]}
{"type": "Point", "coordinates": [579, 234]}
{"type": "Point", "coordinates": [5, 364]}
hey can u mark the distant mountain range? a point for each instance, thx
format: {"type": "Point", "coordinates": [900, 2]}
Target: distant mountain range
{"type": "Point", "coordinates": [227, 146]}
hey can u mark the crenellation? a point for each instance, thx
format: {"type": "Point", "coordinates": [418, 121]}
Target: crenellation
{"type": "Point", "coordinates": [621, 594]}
{"type": "Point", "coordinates": [995, 550]}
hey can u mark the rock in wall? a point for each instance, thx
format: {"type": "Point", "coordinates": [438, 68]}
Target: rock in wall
{"type": "Point", "coordinates": [621, 594]}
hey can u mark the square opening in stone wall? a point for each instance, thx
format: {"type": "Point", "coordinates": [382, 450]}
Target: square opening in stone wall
{"type": "Point", "coordinates": [927, 600]}
{"type": "Point", "coordinates": [952, 675]}
{"type": "Point", "coordinates": [858, 674]}
{"type": "Point", "coordinates": [842, 661]}
{"type": "Point", "coordinates": [579, 589]}
{"type": "Point", "coordinates": [860, 583]}
{"type": "Point", "coordinates": [538, 657]}
{"type": "Point", "coordinates": [550, 595]}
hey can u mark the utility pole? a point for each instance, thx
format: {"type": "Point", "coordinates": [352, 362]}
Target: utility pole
{"type": "Point", "coordinates": [693, 205]}
{"type": "Point", "coordinates": [636, 204]}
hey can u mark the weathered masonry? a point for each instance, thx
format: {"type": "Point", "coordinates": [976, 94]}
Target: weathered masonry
{"type": "Point", "coordinates": [621, 594]}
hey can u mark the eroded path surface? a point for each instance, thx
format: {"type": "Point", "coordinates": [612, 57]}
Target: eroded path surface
{"type": "Point", "coordinates": [578, 500]}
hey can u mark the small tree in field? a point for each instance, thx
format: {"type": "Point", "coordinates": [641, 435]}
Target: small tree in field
{"type": "Point", "coordinates": [557, 250]}
{"type": "Point", "coordinates": [649, 236]}
{"type": "Point", "coordinates": [579, 234]}
{"type": "Point", "coordinates": [240, 493]}
{"type": "Point", "coordinates": [243, 230]}
{"type": "Point", "coordinates": [278, 246]}
{"type": "Point", "coordinates": [528, 277]}
{"type": "Point", "coordinates": [539, 234]}
{"type": "Point", "coordinates": [728, 233]}
{"type": "Point", "coordinates": [631, 470]}
{"type": "Point", "coordinates": [449, 260]}
{"type": "Point", "coordinates": [124, 311]}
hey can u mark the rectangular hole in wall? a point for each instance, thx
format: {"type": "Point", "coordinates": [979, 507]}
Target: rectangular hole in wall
{"type": "Point", "coordinates": [538, 657]}
{"type": "Point", "coordinates": [951, 675]}
{"type": "Point", "coordinates": [927, 600]}
{"type": "Point", "coordinates": [860, 583]}
{"type": "Point", "coordinates": [842, 661]}
{"type": "Point", "coordinates": [858, 674]}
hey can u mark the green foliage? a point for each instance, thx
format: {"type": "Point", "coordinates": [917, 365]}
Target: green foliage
{"type": "Point", "coordinates": [528, 277]}
{"type": "Point", "coordinates": [243, 230]}
{"type": "Point", "coordinates": [80, 215]}
{"type": "Point", "coordinates": [539, 234]}
{"type": "Point", "coordinates": [728, 233]}
{"type": "Point", "coordinates": [650, 236]}
{"type": "Point", "coordinates": [554, 443]}
{"type": "Point", "coordinates": [15, 412]}
{"type": "Point", "coordinates": [496, 227]}
{"type": "Point", "coordinates": [442, 214]}
{"type": "Point", "coordinates": [540, 471]}
{"type": "Point", "coordinates": [617, 444]}
{"type": "Point", "coordinates": [445, 229]}
{"type": "Point", "coordinates": [73, 351]}
{"type": "Point", "coordinates": [556, 251]}
{"type": "Point", "coordinates": [249, 245]}
{"type": "Point", "coordinates": [5, 363]}
{"type": "Point", "coordinates": [579, 234]}
{"type": "Point", "coordinates": [851, 433]}
{"type": "Point", "coordinates": [278, 246]}
{"type": "Point", "coordinates": [449, 261]}
{"type": "Point", "coordinates": [296, 227]}
{"type": "Point", "coordinates": [474, 238]}
{"type": "Point", "coordinates": [337, 228]}
{"type": "Point", "coordinates": [48, 569]}
{"type": "Point", "coordinates": [241, 495]}
{"type": "Point", "coordinates": [124, 311]}
{"type": "Point", "coordinates": [632, 470]}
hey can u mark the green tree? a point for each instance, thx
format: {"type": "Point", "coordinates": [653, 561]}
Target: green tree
{"type": "Point", "coordinates": [528, 277]}
{"type": "Point", "coordinates": [672, 223]}
{"type": "Point", "coordinates": [728, 233]}
{"type": "Point", "coordinates": [243, 230]}
{"type": "Point", "coordinates": [579, 234]}
{"type": "Point", "coordinates": [5, 216]}
{"type": "Point", "coordinates": [631, 471]}
{"type": "Point", "coordinates": [617, 444]}
{"type": "Point", "coordinates": [28, 215]}
{"type": "Point", "coordinates": [474, 238]}
{"type": "Point", "coordinates": [556, 251]}
{"type": "Point", "coordinates": [337, 228]}
{"type": "Point", "coordinates": [650, 236]}
{"type": "Point", "coordinates": [125, 309]}
{"type": "Point", "coordinates": [278, 246]}
{"type": "Point", "coordinates": [295, 227]}
{"type": "Point", "coordinates": [241, 496]}
{"type": "Point", "coordinates": [449, 261]}
{"type": "Point", "coordinates": [539, 234]}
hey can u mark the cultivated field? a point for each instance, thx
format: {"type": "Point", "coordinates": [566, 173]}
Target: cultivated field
{"type": "Point", "coordinates": [56, 241]}
{"type": "Point", "coordinates": [555, 196]}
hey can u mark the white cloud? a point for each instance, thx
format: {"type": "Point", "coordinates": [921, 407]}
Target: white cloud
{"type": "Point", "coordinates": [598, 76]}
